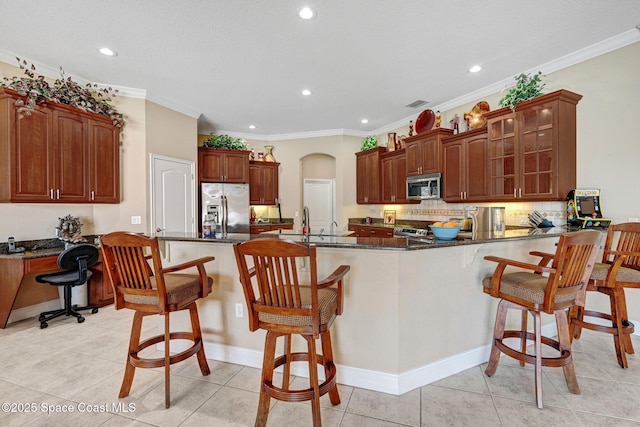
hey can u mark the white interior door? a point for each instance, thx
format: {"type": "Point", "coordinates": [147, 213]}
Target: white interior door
{"type": "Point", "coordinates": [319, 197]}
{"type": "Point", "coordinates": [172, 195]}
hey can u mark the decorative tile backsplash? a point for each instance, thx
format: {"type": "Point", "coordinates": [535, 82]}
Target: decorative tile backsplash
{"type": "Point", "coordinates": [436, 210]}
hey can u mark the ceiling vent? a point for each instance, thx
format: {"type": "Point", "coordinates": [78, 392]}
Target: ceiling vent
{"type": "Point", "coordinates": [417, 103]}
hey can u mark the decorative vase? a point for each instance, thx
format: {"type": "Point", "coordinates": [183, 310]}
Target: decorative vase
{"type": "Point", "coordinates": [268, 157]}
{"type": "Point", "coordinates": [391, 143]}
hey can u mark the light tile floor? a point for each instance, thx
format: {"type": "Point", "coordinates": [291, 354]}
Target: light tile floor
{"type": "Point", "coordinates": [79, 367]}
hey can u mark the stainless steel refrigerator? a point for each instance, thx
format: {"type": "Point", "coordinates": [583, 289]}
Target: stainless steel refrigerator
{"type": "Point", "coordinates": [227, 206]}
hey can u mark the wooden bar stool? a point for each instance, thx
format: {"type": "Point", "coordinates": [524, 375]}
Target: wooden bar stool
{"type": "Point", "coordinates": [279, 304]}
{"type": "Point", "coordinates": [531, 291]}
{"type": "Point", "coordinates": [140, 283]}
{"type": "Point", "coordinates": [619, 269]}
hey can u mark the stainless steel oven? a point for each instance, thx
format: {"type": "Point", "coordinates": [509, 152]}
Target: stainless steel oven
{"type": "Point", "coordinates": [424, 186]}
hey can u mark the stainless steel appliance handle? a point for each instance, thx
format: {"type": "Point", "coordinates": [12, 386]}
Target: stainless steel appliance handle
{"type": "Point", "coordinates": [225, 214]}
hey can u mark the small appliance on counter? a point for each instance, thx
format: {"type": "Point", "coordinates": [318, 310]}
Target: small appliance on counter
{"type": "Point", "coordinates": [488, 220]}
{"type": "Point", "coordinates": [583, 210]}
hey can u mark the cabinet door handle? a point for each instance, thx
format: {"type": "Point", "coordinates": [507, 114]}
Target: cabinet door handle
{"type": "Point", "coordinates": [51, 193]}
{"type": "Point", "coordinates": [93, 196]}
{"type": "Point", "coordinates": [520, 193]}
{"type": "Point", "coordinates": [58, 194]}
{"type": "Point", "coordinates": [514, 194]}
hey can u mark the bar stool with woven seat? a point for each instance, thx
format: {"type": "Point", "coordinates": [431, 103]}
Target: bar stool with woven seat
{"type": "Point", "coordinates": [278, 303]}
{"type": "Point", "coordinates": [140, 283]}
{"type": "Point", "coordinates": [531, 291]}
{"type": "Point", "coordinates": [619, 269]}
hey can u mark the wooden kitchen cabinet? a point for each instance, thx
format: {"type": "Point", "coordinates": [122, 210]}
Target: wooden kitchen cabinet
{"type": "Point", "coordinates": [533, 149]}
{"type": "Point", "coordinates": [370, 231]}
{"type": "Point", "coordinates": [368, 177]}
{"type": "Point", "coordinates": [221, 165]}
{"type": "Point", "coordinates": [465, 167]}
{"type": "Point", "coordinates": [261, 228]}
{"type": "Point", "coordinates": [100, 288]}
{"type": "Point", "coordinates": [393, 166]}
{"type": "Point", "coordinates": [263, 182]}
{"type": "Point", "coordinates": [57, 154]}
{"type": "Point", "coordinates": [424, 151]}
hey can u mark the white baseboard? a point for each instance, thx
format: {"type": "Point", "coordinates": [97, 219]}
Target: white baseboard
{"type": "Point", "coordinates": [384, 382]}
{"type": "Point", "coordinates": [33, 310]}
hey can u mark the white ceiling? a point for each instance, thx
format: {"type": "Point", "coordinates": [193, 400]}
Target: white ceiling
{"type": "Point", "coordinates": [232, 63]}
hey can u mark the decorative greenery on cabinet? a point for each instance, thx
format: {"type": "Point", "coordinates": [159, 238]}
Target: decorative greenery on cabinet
{"type": "Point", "coordinates": [37, 90]}
{"type": "Point", "coordinates": [225, 141]}
{"type": "Point", "coordinates": [527, 87]}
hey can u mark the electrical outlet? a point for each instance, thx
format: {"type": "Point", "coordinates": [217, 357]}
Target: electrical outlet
{"type": "Point", "coordinates": [136, 219]}
{"type": "Point", "coordinates": [239, 310]}
{"type": "Point", "coordinates": [524, 220]}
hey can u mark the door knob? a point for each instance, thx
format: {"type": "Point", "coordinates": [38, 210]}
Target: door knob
{"type": "Point", "coordinates": [158, 230]}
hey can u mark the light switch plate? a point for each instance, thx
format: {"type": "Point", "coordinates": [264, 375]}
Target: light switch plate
{"type": "Point", "coordinates": [136, 219]}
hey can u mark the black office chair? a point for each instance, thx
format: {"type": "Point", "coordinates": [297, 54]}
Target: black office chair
{"type": "Point", "coordinates": [75, 261]}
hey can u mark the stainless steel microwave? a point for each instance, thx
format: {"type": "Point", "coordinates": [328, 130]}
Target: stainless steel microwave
{"type": "Point", "coordinates": [424, 186]}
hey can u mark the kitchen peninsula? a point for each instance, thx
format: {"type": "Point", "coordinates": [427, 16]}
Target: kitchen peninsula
{"type": "Point", "coordinates": [414, 312]}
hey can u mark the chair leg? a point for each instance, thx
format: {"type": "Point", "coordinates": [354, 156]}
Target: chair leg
{"type": "Point", "coordinates": [286, 370]}
{"type": "Point", "coordinates": [624, 316]}
{"type": "Point", "coordinates": [538, 365]}
{"type": "Point", "coordinates": [564, 340]}
{"type": "Point", "coordinates": [523, 328]}
{"type": "Point", "coordinates": [267, 378]}
{"type": "Point", "coordinates": [576, 312]}
{"type": "Point", "coordinates": [167, 362]}
{"type": "Point", "coordinates": [134, 341]}
{"type": "Point", "coordinates": [498, 334]}
{"type": "Point", "coordinates": [197, 337]}
{"type": "Point", "coordinates": [616, 320]}
{"type": "Point", "coordinates": [313, 379]}
{"type": "Point", "coordinates": [327, 355]}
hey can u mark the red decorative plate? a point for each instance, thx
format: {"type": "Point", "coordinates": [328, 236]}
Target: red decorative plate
{"type": "Point", "coordinates": [425, 121]}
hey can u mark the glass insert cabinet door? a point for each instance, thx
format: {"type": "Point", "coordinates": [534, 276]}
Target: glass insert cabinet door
{"type": "Point", "coordinates": [502, 143]}
{"type": "Point", "coordinates": [537, 144]}
{"type": "Point", "coordinates": [523, 153]}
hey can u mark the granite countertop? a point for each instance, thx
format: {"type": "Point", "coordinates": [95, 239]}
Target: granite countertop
{"type": "Point", "coordinates": [376, 243]}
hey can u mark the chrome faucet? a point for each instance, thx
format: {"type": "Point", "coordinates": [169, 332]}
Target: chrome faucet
{"type": "Point", "coordinates": [305, 220]}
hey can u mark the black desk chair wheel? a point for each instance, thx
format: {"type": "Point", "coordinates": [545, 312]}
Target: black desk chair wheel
{"type": "Point", "coordinates": [75, 261]}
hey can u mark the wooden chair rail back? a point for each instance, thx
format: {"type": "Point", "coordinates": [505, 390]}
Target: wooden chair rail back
{"type": "Point", "coordinates": [272, 285]}
{"type": "Point", "coordinates": [623, 237]}
{"type": "Point", "coordinates": [575, 257]}
{"type": "Point", "coordinates": [127, 262]}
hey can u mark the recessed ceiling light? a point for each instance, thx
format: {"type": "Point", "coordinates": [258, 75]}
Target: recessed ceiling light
{"type": "Point", "coordinates": [475, 69]}
{"type": "Point", "coordinates": [306, 92]}
{"type": "Point", "coordinates": [108, 52]}
{"type": "Point", "coordinates": [252, 126]}
{"type": "Point", "coordinates": [306, 13]}
{"type": "Point", "coordinates": [364, 121]}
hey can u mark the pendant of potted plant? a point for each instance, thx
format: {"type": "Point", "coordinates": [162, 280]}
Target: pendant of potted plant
{"type": "Point", "coordinates": [225, 142]}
